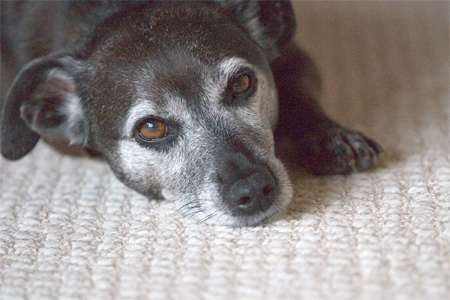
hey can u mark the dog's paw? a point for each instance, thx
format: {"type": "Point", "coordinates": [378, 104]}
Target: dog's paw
{"type": "Point", "coordinates": [338, 151]}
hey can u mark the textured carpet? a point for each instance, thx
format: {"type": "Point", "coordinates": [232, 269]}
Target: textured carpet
{"type": "Point", "coordinates": [70, 230]}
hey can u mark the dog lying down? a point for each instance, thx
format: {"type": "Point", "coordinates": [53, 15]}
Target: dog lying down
{"type": "Point", "coordinates": [183, 99]}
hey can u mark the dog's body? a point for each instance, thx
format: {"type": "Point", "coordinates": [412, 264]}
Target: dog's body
{"type": "Point", "coordinates": [181, 99]}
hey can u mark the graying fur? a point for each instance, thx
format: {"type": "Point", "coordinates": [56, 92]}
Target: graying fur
{"type": "Point", "coordinates": [188, 170]}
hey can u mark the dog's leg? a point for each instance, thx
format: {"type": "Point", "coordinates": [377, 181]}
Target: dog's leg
{"type": "Point", "coordinates": [317, 143]}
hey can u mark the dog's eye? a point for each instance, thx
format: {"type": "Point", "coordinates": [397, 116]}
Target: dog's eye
{"type": "Point", "coordinates": [242, 84]}
{"type": "Point", "coordinates": [152, 130]}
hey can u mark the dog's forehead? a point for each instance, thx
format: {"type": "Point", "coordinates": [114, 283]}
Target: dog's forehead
{"type": "Point", "coordinates": [196, 27]}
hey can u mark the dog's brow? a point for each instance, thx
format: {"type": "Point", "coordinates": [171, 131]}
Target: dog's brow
{"type": "Point", "coordinates": [230, 66]}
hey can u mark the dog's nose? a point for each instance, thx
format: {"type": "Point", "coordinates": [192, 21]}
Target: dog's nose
{"type": "Point", "coordinates": [253, 193]}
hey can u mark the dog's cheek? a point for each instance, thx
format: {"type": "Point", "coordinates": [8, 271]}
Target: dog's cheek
{"type": "Point", "coordinates": [145, 170]}
{"type": "Point", "coordinates": [261, 116]}
{"type": "Point", "coordinates": [268, 100]}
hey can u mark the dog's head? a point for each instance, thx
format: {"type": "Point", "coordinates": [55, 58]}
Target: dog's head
{"type": "Point", "coordinates": [178, 98]}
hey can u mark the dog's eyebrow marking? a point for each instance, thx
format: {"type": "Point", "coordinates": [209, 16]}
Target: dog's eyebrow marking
{"type": "Point", "coordinates": [230, 66]}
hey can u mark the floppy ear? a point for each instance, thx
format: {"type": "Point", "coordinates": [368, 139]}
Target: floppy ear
{"type": "Point", "coordinates": [43, 101]}
{"type": "Point", "coordinates": [270, 23]}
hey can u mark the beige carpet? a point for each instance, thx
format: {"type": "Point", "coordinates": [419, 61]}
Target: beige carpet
{"type": "Point", "coordinates": [70, 230]}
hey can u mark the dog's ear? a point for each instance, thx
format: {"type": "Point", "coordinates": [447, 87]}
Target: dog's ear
{"type": "Point", "coordinates": [270, 23]}
{"type": "Point", "coordinates": [43, 101]}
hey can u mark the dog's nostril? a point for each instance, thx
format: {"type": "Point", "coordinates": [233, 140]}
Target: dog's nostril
{"type": "Point", "coordinates": [267, 190]}
{"type": "Point", "coordinates": [244, 201]}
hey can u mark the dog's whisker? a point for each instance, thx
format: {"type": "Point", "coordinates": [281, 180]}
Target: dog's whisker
{"type": "Point", "coordinates": [191, 214]}
{"type": "Point", "coordinates": [207, 218]}
{"type": "Point", "coordinates": [184, 207]}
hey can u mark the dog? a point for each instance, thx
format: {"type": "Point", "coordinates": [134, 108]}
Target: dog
{"type": "Point", "coordinates": [185, 100]}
